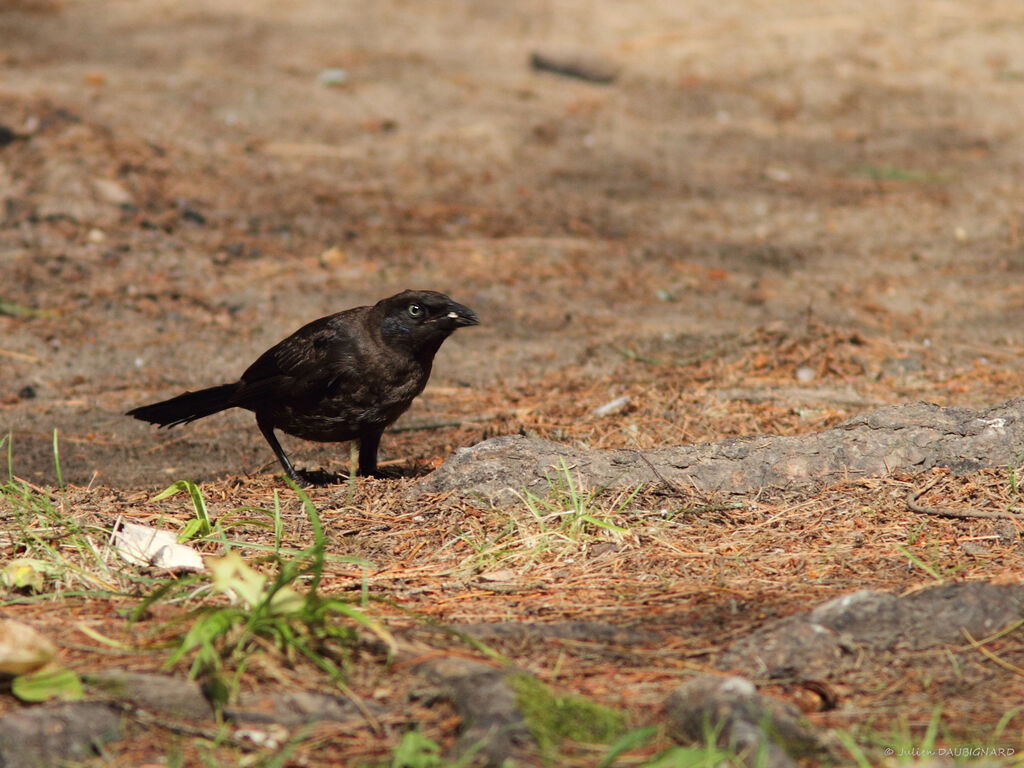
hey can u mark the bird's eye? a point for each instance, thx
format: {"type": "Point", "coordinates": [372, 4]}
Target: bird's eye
{"type": "Point", "coordinates": [415, 310]}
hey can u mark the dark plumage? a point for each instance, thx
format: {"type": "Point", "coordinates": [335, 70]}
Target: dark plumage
{"type": "Point", "coordinates": [346, 376]}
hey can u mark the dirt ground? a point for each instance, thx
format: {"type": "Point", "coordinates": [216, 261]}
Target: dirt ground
{"type": "Point", "coordinates": [780, 214]}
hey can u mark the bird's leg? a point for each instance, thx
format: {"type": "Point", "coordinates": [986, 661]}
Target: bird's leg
{"type": "Point", "coordinates": [268, 432]}
{"type": "Point", "coordinates": [368, 443]}
{"type": "Point", "coordinates": [353, 452]}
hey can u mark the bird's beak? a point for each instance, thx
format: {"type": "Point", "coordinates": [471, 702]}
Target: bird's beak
{"type": "Point", "coordinates": [459, 316]}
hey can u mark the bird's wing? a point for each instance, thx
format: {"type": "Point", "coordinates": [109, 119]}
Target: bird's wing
{"type": "Point", "coordinates": [307, 364]}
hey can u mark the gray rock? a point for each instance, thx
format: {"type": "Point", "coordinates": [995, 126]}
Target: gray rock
{"type": "Point", "coordinates": [291, 708]}
{"type": "Point", "coordinates": [164, 694]}
{"type": "Point", "coordinates": [791, 647]}
{"type": "Point", "coordinates": [924, 619]}
{"type": "Point", "coordinates": [55, 734]}
{"type": "Point", "coordinates": [486, 703]}
{"type": "Point", "coordinates": [761, 731]}
{"type": "Point", "coordinates": [817, 644]}
{"type": "Point", "coordinates": [899, 438]}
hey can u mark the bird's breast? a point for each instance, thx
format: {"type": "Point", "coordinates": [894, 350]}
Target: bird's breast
{"type": "Point", "coordinates": [348, 407]}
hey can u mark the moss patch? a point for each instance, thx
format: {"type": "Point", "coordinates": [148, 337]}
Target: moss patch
{"type": "Point", "coordinates": [553, 718]}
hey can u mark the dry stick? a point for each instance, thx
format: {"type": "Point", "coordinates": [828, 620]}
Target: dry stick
{"type": "Point", "coordinates": [19, 356]}
{"type": "Point", "coordinates": [967, 514]}
{"type": "Point", "coordinates": [354, 531]}
{"type": "Point", "coordinates": [184, 729]}
{"type": "Point", "coordinates": [679, 491]}
{"type": "Point", "coordinates": [672, 486]}
{"type": "Point", "coordinates": [990, 655]}
{"type": "Point", "coordinates": [994, 636]}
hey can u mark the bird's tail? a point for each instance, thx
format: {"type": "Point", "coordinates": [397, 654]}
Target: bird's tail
{"type": "Point", "coordinates": [187, 407]}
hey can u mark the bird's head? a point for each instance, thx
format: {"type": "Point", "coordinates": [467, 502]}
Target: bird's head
{"type": "Point", "coordinates": [422, 318]}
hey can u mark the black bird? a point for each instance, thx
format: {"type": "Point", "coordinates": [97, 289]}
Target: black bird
{"type": "Point", "coordinates": [346, 376]}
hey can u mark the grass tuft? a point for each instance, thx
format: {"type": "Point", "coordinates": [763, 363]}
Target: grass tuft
{"type": "Point", "coordinates": [65, 556]}
{"type": "Point", "coordinates": [284, 612]}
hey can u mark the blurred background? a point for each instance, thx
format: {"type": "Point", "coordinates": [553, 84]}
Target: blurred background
{"type": "Point", "coordinates": [728, 217]}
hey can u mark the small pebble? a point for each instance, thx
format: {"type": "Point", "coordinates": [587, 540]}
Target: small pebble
{"type": "Point", "coordinates": [268, 739]}
{"type": "Point", "coordinates": [332, 77]}
{"type": "Point", "coordinates": [805, 374]}
{"type": "Point", "coordinates": [112, 192]}
{"type": "Point", "coordinates": [612, 407]}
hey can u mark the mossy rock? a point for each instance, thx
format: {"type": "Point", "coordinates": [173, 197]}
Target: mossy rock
{"type": "Point", "coordinates": [552, 718]}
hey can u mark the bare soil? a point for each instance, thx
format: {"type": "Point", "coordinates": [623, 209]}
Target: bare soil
{"type": "Point", "coordinates": [779, 215]}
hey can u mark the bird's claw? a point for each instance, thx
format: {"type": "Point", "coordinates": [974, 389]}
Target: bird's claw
{"type": "Point", "coordinates": [316, 478]}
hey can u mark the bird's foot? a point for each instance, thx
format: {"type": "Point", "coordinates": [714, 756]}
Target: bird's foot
{"type": "Point", "coordinates": [316, 478]}
{"type": "Point", "coordinates": [381, 473]}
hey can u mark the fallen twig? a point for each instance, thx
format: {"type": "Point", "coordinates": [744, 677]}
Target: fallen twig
{"type": "Point", "coordinates": [990, 655]}
{"type": "Point", "coordinates": [19, 355]}
{"type": "Point", "coordinates": [967, 514]}
{"type": "Point", "coordinates": [660, 476]}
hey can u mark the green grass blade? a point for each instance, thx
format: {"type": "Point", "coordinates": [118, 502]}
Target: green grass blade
{"type": "Point", "coordinates": [919, 563]}
{"type": "Point", "coordinates": [56, 462]}
{"type": "Point", "coordinates": [198, 503]}
{"type": "Point", "coordinates": [630, 740]}
{"type": "Point", "coordinates": [854, 749]}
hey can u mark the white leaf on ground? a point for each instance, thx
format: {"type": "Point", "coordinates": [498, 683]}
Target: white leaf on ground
{"type": "Point", "coordinates": [145, 545]}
